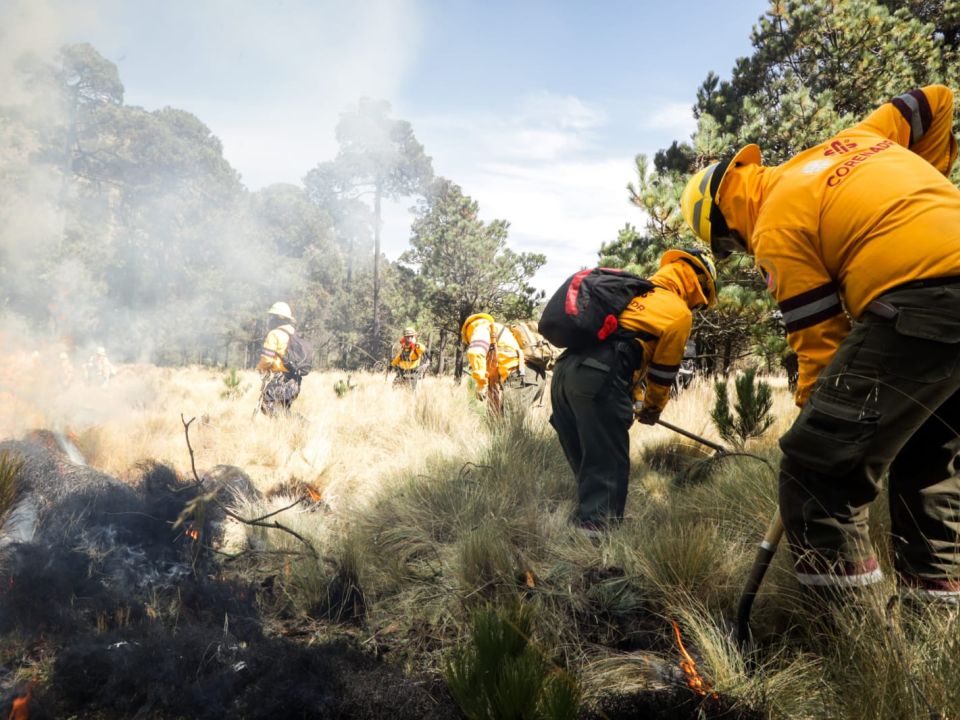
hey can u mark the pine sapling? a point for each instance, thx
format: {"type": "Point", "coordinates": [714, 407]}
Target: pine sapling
{"type": "Point", "coordinates": [751, 413]}
{"type": "Point", "coordinates": [500, 675]}
{"type": "Point", "coordinates": [232, 383]}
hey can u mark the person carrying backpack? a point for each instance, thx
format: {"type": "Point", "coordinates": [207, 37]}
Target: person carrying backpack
{"type": "Point", "coordinates": [496, 361]}
{"type": "Point", "coordinates": [596, 390]}
{"type": "Point", "coordinates": [281, 380]}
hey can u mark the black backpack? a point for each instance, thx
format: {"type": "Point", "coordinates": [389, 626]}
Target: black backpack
{"type": "Point", "coordinates": [585, 309]}
{"type": "Point", "coordinates": [298, 357]}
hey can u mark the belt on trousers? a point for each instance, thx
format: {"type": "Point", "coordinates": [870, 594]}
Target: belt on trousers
{"type": "Point", "coordinates": [889, 312]}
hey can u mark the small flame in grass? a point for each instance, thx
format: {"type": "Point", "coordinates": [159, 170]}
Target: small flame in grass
{"type": "Point", "coordinates": [531, 581]}
{"type": "Point", "coordinates": [314, 494]}
{"type": "Point", "coordinates": [194, 534]}
{"type": "Point", "coordinates": [19, 709]}
{"type": "Point", "coordinates": [694, 680]}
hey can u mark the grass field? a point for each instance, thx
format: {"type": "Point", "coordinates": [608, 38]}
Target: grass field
{"type": "Point", "coordinates": [430, 512]}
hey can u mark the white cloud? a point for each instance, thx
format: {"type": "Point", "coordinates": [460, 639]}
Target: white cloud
{"type": "Point", "coordinates": [540, 168]}
{"type": "Point", "coordinates": [673, 116]}
{"type": "Point", "coordinates": [564, 111]}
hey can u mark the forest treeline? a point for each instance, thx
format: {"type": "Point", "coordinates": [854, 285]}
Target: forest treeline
{"type": "Point", "coordinates": [128, 227]}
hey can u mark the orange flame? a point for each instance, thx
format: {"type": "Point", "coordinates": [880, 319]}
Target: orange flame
{"type": "Point", "coordinates": [694, 680]}
{"type": "Point", "coordinates": [194, 534]}
{"type": "Point", "coordinates": [313, 492]}
{"type": "Point", "coordinates": [19, 709]}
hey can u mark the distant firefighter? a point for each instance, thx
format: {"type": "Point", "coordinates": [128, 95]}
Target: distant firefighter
{"type": "Point", "coordinates": [99, 369]}
{"type": "Point", "coordinates": [410, 359]}
{"type": "Point", "coordinates": [66, 369]}
{"type": "Point", "coordinates": [284, 360]}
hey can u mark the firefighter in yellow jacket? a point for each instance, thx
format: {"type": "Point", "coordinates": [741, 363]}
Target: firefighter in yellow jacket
{"type": "Point", "coordinates": [864, 227]}
{"type": "Point", "coordinates": [597, 393]}
{"type": "Point", "coordinates": [495, 359]}
{"type": "Point", "coordinates": [409, 358]}
{"type": "Point", "coordinates": [280, 386]}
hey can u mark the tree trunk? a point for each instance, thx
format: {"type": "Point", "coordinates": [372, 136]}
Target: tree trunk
{"type": "Point", "coordinates": [458, 363]}
{"type": "Point", "coordinates": [441, 350]}
{"type": "Point", "coordinates": [376, 266]}
{"type": "Point", "coordinates": [350, 266]}
{"type": "Point", "coordinates": [430, 349]}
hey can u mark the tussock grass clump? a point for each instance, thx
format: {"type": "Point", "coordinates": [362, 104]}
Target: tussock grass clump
{"type": "Point", "coordinates": [680, 559]}
{"type": "Point", "coordinates": [9, 471]}
{"type": "Point", "coordinates": [783, 684]}
{"type": "Point", "coordinates": [890, 661]}
{"type": "Point", "coordinates": [683, 462]}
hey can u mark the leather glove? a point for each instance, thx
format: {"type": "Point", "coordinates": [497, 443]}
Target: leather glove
{"type": "Point", "coordinates": [645, 416]}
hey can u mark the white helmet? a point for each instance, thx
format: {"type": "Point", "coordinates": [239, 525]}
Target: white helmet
{"type": "Point", "coordinates": [281, 309]}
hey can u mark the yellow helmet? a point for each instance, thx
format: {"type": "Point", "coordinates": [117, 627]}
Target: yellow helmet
{"type": "Point", "coordinates": [702, 264]}
{"type": "Point", "coordinates": [409, 331]}
{"type": "Point", "coordinates": [281, 309]}
{"type": "Point", "coordinates": [464, 331]}
{"type": "Point", "coordinates": [699, 207]}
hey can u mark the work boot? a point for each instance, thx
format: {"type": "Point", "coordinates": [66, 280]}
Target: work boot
{"type": "Point", "coordinates": [588, 529]}
{"type": "Point", "coordinates": [928, 600]}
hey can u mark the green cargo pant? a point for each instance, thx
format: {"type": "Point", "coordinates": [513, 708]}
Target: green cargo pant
{"type": "Point", "coordinates": [888, 400]}
{"type": "Point", "coordinates": [592, 414]}
{"type": "Point", "coordinates": [528, 387]}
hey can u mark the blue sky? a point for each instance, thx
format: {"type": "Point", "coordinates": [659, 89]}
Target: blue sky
{"type": "Point", "coordinates": [535, 108]}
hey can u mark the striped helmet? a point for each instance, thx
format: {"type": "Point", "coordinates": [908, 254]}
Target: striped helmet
{"type": "Point", "coordinates": [699, 207]}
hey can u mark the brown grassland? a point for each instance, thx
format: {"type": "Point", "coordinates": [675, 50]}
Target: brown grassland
{"type": "Point", "coordinates": [430, 510]}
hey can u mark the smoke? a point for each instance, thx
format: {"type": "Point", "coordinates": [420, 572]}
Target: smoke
{"type": "Point", "coordinates": [118, 226]}
{"type": "Point", "coordinates": [127, 228]}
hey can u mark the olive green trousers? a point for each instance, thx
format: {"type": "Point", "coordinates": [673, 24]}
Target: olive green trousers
{"type": "Point", "coordinates": [886, 405]}
{"type": "Point", "coordinates": [592, 414]}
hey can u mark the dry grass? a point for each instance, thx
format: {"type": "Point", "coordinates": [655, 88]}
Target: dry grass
{"type": "Point", "coordinates": [432, 511]}
{"type": "Point", "coordinates": [347, 446]}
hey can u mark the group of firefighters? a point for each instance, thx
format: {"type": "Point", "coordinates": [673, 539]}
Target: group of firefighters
{"type": "Point", "coordinates": [858, 239]}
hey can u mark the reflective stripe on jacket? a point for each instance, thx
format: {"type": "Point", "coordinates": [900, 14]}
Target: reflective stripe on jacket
{"type": "Point", "coordinates": [479, 335]}
{"type": "Point", "coordinates": [663, 313]}
{"type": "Point", "coordinates": [274, 348]}
{"type": "Point", "coordinates": [841, 223]}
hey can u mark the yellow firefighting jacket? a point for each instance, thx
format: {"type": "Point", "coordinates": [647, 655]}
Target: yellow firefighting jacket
{"type": "Point", "coordinates": [409, 356]}
{"type": "Point", "coordinates": [664, 318]}
{"type": "Point", "coordinates": [274, 348]}
{"type": "Point", "coordinates": [841, 223]}
{"type": "Point", "coordinates": [479, 331]}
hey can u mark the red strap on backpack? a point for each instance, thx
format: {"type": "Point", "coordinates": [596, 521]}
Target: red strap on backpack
{"type": "Point", "coordinates": [609, 327]}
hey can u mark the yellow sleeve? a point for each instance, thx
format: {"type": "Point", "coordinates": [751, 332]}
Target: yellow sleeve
{"type": "Point", "coordinates": [808, 299]}
{"type": "Point", "coordinates": [665, 362]}
{"type": "Point", "coordinates": [396, 360]}
{"type": "Point", "coordinates": [662, 322]}
{"type": "Point", "coordinates": [477, 353]}
{"type": "Point", "coordinates": [921, 120]}
{"type": "Point", "coordinates": [269, 352]}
